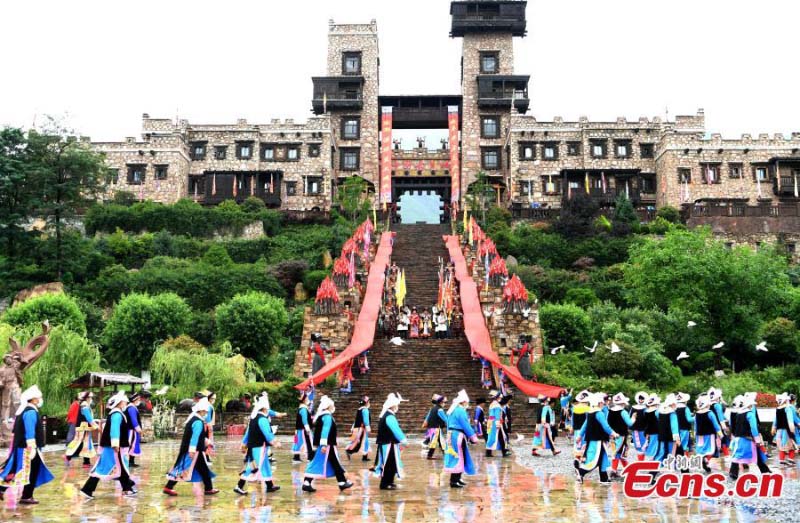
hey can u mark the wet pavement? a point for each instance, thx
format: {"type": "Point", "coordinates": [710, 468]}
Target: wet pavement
{"type": "Point", "coordinates": [502, 491]}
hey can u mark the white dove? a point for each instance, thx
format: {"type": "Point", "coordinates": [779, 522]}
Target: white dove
{"type": "Point", "coordinates": [520, 437]}
{"type": "Point", "coordinates": [592, 348]}
{"type": "Point", "coordinates": [690, 324]}
{"type": "Point", "coordinates": [682, 356]}
{"type": "Point", "coordinates": [556, 349]}
{"type": "Point", "coordinates": [719, 345]}
{"type": "Point", "coordinates": [161, 391]}
{"type": "Point", "coordinates": [615, 348]}
{"type": "Point", "coordinates": [762, 346]}
{"type": "Point", "coordinates": [397, 340]}
{"type": "Point", "coordinates": [526, 312]}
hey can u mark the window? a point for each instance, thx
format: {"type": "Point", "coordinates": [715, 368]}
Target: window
{"type": "Point", "coordinates": [351, 127]}
{"type": "Point", "coordinates": [648, 184]}
{"type": "Point", "coordinates": [490, 127]}
{"type": "Point", "coordinates": [573, 148]}
{"type": "Point", "coordinates": [710, 173]}
{"type": "Point", "coordinates": [761, 174]}
{"type": "Point", "coordinates": [525, 187]}
{"type": "Point", "coordinates": [791, 248]}
{"type": "Point", "coordinates": [267, 152]}
{"type": "Point", "coordinates": [735, 170]}
{"type": "Point", "coordinates": [527, 151]}
{"type": "Point", "coordinates": [314, 150]}
{"type": "Point", "coordinates": [490, 158]}
{"type": "Point", "coordinates": [622, 148]}
{"type": "Point", "coordinates": [220, 152]}
{"type": "Point", "coordinates": [136, 174]}
{"type": "Point", "coordinates": [291, 188]}
{"type": "Point", "coordinates": [112, 176]}
{"type": "Point", "coordinates": [598, 148]}
{"type": "Point", "coordinates": [161, 172]}
{"type": "Point", "coordinates": [349, 159]}
{"type": "Point", "coordinates": [647, 150]}
{"type": "Point", "coordinates": [244, 150]}
{"type": "Point", "coordinates": [351, 62]}
{"type": "Point", "coordinates": [550, 151]}
{"type": "Point", "coordinates": [684, 175]}
{"type": "Point", "coordinates": [293, 153]}
{"type": "Point", "coordinates": [197, 150]}
{"type": "Point", "coordinates": [490, 62]}
{"type": "Point", "coordinates": [552, 186]}
{"type": "Point", "coordinates": [314, 185]}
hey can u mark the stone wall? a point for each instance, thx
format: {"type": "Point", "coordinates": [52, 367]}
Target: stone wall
{"type": "Point", "coordinates": [335, 330]}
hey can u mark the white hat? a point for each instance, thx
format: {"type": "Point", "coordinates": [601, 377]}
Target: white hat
{"type": "Point", "coordinates": [682, 397]}
{"type": "Point", "coordinates": [460, 398]}
{"type": "Point", "coordinates": [620, 399]}
{"type": "Point", "coordinates": [738, 401]}
{"type": "Point", "coordinates": [749, 400]}
{"type": "Point", "coordinates": [597, 399]}
{"type": "Point", "coordinates": [653, 400]}
{"type": "Point", "coordinates": [714, 394]}
{"type": "Point", "coordinates": [325, 406]}
{"type": "Point", "coordinates": [25, 398]}
{"type": "Point", "coordinates": [640, 397]}
{"type": "Point", "coordinates": [703, 402]}
{"type": "Point", "coordinates": [583, 396]}
{"type": "Point", "coordinates": [668, 404]}
{"type": "Point", "coordinates": [116, 399]}
{"type": "Point", "coordinates": [392, 401]}
{"type": "Point", "coordinates": [782, 398]}
{"type": "Point", "coordinates": [262, 403]}
{"type": "Point", "coordinates": [202, 404]}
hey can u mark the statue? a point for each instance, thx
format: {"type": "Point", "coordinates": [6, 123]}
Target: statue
{"type": "Point", "coordinates": [14, 364]}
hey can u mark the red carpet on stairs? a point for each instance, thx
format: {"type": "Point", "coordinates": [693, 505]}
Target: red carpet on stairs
{"type": "Point", "coordinates": [364, 332]}
{"type": "Point", "coordinates": [475, 326]}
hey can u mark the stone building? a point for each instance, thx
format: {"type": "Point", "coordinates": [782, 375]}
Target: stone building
{"type": "Point", "coordinates": [533, 166]}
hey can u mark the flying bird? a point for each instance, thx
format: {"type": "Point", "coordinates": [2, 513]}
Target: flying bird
{"type": "Point", "coordinates": [615, 348]}
{"type": "Point", "coordinates": [719, 345]}
{"type": "Point", "coordinates": [526, 312]}
{"type": "Point", "coordinates": [682, 356]}
{"type": "Point", "coordinates": [397, 340]}
{"type": "Point", "coordinates": [592, 348]}
{"type": "Point", "coordinates": [161, 391]}
{"type": "Point", "coordinates": [556, 349]}
{"type": "Point", "coordinates": [762, 346]}
{"type": "Point", "coordinates": [520, 437]}
{"type": "Point", "coordinates": [690, 324]}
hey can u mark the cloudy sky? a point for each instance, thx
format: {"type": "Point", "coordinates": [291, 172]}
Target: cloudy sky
{"type": "Point", "coordinates": [102, 63]}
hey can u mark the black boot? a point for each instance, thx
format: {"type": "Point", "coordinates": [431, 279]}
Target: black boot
{"type": "Point", "coordinates": [271, 487]}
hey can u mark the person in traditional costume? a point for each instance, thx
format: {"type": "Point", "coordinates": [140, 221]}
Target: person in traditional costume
{"type": "Point", "coordinates": [24, 464]}
{"type": "Point", "coordinates": [717, 406]}
{"type": "Point", "coordinates": [707, 431]}
{"type": "Point", "coordinates": [390, 442]}
{"type": "Point", "coordinates": [796, 417]}
{"type": "Point", "coordinates": [435, 423]}
{"type": "Point", "coordinates": [302, 430]}
{"type": "Point", "coordinates": [403, 322]}
{"type": "Point", "coordinates": [783, 429]}
{"type": "Point", "coordinates": [426, 323]}
{"type": "Point", "coordinates": [72, 416]}
{"type": "Point", "coordinates": [543, 433]}
{"type": "Point", "coordinates": [192, 464]}
{"type": "Point", "coordinates": [359, 441]}
{"type": "Point", "coordinates": [326, 458]}
{"type": "Point", "coordinates": [495, 426]}
{"type": "Point", "coordinates": [651, 429]}
{"type": "Point", "coordinates": [479, 418]}
{"type": "Point", "coordinates": [639, 427]}
{"type": "Point", "coordinates": [685, 423]}
{"type": "Point", "coordinates": [82, 445]}
{"type": "Point", "coordinates": [414, 322]}
{"type": "Point", "coordinates": [565, 415]}
{"type": "Point", "coordinates": [440, 320]}
{"type": "Point", "coordinates": [579, 412]}
{"type": "Point", "coordinates": [256, 443]}
{"type": "Point", "coordinates": [317, 353]}
{"type": "Point", "coordinates": [669, 439]}
{"type": "Point", "coordinates": [457, 459]}
{"type": "Point", "coordinates": [135, 435]}
{"type": "Point", "coordinates": [747, 445]}
{"type": "Point", "coordinates": [596, 433]}
{"type": "Point", "coordinates": [620, 421]}
{"type": "Point", "coordinates": [112, 463]}
{"type": "Point", "coordinates": [523, 354]}
{"type": "Point", "coordinates": [505, 401]}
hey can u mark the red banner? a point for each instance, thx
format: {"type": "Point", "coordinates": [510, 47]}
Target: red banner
{"type": "Point", "coordinates": [386, 155]}
{"type": "Point", "coordinates": [455, 168]}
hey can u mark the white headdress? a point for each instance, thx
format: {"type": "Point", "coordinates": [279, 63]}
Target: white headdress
{"type": "Point", "coordinates": [703, 402]}
{"type": "Point", "coordinates": [27, 396]}
{"type": "Point", "coordinates": [653, 400]}
{"type": "Point", "coordinates": [749, 400]}
{"type": "Point", "coordinates": [392, 400]}
{"type": "Point", "coordinates": [262, 403]}
{"type": "Point", "coordinates": [583, 396]}
{"type": "Point", "coordinates": [460, 398]}
{"type": "Point", "coordinates": [116, 399]}
{"type": "Point", "coordinates": [682, 397]}
{"type": "Point", "coordinates": [620, 399]}
{"type": "Point", "coordinates": [782, 398]}
{"type": "Point", "coordinates": [640, 397]}
{"type": "Point", "coordinates": [202, 404]}
{"type": "Point", "coordinates": [597, 399]}
{"type": "Point", "coordinates": [325, 407]}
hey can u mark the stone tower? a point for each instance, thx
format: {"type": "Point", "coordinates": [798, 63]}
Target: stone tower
{"type": "Point", "coordinates": [490, 90]}
{"type": "Point", "coordinates": [349, 94]}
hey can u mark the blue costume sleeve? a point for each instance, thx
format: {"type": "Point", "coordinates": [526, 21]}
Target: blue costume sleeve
{"type": "Point", "coordinates": [565, 401]}
{"type": "Point", "coordinates": [713, 418]}
{"type": "Point", "coordinates": [116, 423]}
{"type": "Point", "coordinates": [391, 422]}
{"type": "Point", "coordinates": [795, 415]}
{"type": "Point", "coordinates": [442, 415]}
{"type": "Point", "coordinates": [673, 423]}
{"type": "Point", "coordinates": [266, 430]}
{"type": "Point", "coordinates": [210, 415]}
{"type": "Point", "coordinates": [689, 416]}
{"type": "Point", "coordinates": [627, 418]}
{"type": "Point", "coordinates": [601, 419]}
{"type": "Point", "coordinates": [462, 422]}
{"type": "Point", "coordinates": [29, 420]}
{"type": "Point", "coordinates": [365, 417]}
{"type": "Point", "coordinates": [719, 412]}
{"type": "Point", "coordinates": [246, 435]}
{"type": "Point", "coordinates": [87, 413]}
{"type": "Point", "coordinates": [133, 416]}
{"type": "Point", "coordinates": [326, 428]}
{"type": "Point", "coordinates": [304, 416]}
{"type": "Point", "coordinates": [582, 432]}
{"type": "Point", "coordinates": [197, 429]}
{"type": "Point", "coordinates": [751, 419]}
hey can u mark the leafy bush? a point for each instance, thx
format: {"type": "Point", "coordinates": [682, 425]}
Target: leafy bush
{"type": "Point", "coordinates": [783, 341]}
{"type": "Point", "coordinates": [582, 297]}
{"type": "Point", "coordinates": [624, 364]}
{"type": "Point", "coordinates": [289, 273]}
{"type": "Point", "coordinates": [283, 397]}
{"type": "Point", "coordinates": [565, 324]}
{"type": "Point", "coordinates": [313, 279]}
{"type": "Point", "coordinates": [59, 309]}
{"type": "Point", "coordinates": [625, 220]}
{"type": "Point", "coordinates": [577, 216]}
{"type": "Point", "coordinates": [670, 214]}
{"type": "Point", "coordinates": [139, 322]}
{"type": "Point", "coordinates": [253, 323]}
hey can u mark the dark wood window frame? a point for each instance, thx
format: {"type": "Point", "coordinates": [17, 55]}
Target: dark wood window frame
{"type": "Point", "coordinates": [344, 152]}
{"type": "Point", "coordinates": [647, 150]}
{"type": "Point", "coordinates": [308, 182]}
{"type": "Point", "coordinates": [526, 145]}
{"type": "Point", "coordinates": [486, 118]}
{"type": "Point", "coordinates": [239, 149]}
{"type": "Point", "coordinates": [554, 147]}
{"type": "Point", "coordinates": [628, 149]}
{"type": "Point", "coordinates": [574, 148]}
{"type": "Point", "coordinates": [487, 150]}
{"type": "Point", "coordinates": [291, 188]}
{"type": "Point", "coordinates": [344, 131]}
{"type": "Point", "coordinates": [489, 54]}
{"type": "Point", "coordinates": [717, 174]}
{"type": "Point", "coordinates": [555, 181]}
{"type": "Point", "coordinates": [603, 148]}
{"type": "Point", "coordinates": [684, 175]}
{"type": "Point", "coordinates": [220, 152]}
{"type": "Point", "coordinates": [193, 151]}
{"type": "Point", "coordinates": [293, 148]}
{"type": "Point", "coordinates": [161, 171]}
{"type": "Point", "coordinates": [132, 168]}
{"type": "Point", "coordinates": [112, 176]}
{"type": "Point", "coordinates": [263, 154]}
{"type": "Point", "coordinates": [735, 170]}
{"type": "Point", "coordinates": [314, 150]}
{"type": "Point", "coordinates": [352, 54]}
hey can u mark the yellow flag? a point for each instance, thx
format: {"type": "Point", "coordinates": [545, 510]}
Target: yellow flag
{"type": "Point", "coordinates": [401, 288]}
{"type": "Point", "coordinates": [586, 182]}
{"type": "Point", "coordinates": [470, 232]}
{"type": "Point", "coordinates": [465, 220]}
{"type": "Point", "coordinates": [374, 217]}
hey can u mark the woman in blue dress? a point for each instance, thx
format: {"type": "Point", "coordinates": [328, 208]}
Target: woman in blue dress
{"type": "Point", "coordinates": [596, 433]}
{"type": "Point", "coordinates": [302, 430]}
{"type": "Point", "coordinates": [113, 461]}
{"type": "Point", "coordinates": [746, 444]}
{"type": "Point", "coordinates": [192, 464]}
{"type": "Point", "coordinates": [457, 460]}
{"type": "Point", "coordinates": [256, 443]}
{"type": "Point", "coordinates": [620, 422]}
{"type": "Point", "coordinates": [390, 442]}
{"type": "Point", "coordinates": [326, 462]}
{"type": "Point", "coordinates": [135, 433]}
{"type": "Point", "coordinates": [435, 423]}
{"type": "Point", "coordinates": [24, 465]}
{"type": "Point", "coordinates": [495, 426]}
{"type": "Point", "coordinates": [707, 431]}
{"type": "Point", "coordinates": [651, 429]}
{"type": "Point", "coordinates": [685, 422]}
{"type": "Point", "coordinates": [543, 435]}
{"type": "Point", "coordinates": [638, 430]}
{"type": "Point", "coordinates": [82, 445]}
{"type": "Point", "coordinates": [359, 441]}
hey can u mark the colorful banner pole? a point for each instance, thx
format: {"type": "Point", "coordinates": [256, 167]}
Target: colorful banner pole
{"type": "Point", "coordinates": [455, 167]}
{"type": "Point", "coordinates": [386, 155]}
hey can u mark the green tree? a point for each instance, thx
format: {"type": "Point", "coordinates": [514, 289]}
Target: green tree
{"type": "Point", "coordinates": [139, 322]}
{"type": "Point", "coordinates": [624, 220]}
{"type": "Point", "coordinates": [253, 323]}
{"type": "Point", "coordinates": [353, 197]}
{"type": "Point", "coordinates": [628, 363]}
{"type": "Point", "coordinates": [783, 341]}
{"type": "Point", "coordinates": [58, 309]}
{"type": "Point", "coordinates": [582, 297]}
{"type": "Point", "coordinates": [480, 195]}
{"type": "Point", "coordinates": [670, 214]}
{"type": "Point", "coordinates": [565, 324]}
{"type": "Point", "coordinates": [17, 192]}
{"type": "Point", "coordinates": [577, 216]}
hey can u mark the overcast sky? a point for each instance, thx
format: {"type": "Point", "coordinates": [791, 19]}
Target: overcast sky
{"type": "Point", "coordinates": [104, 63]}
